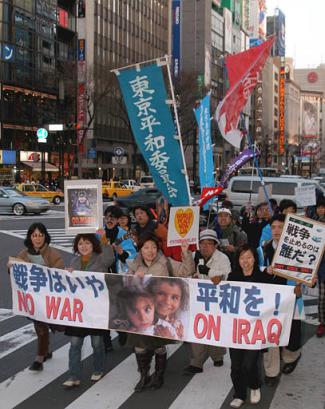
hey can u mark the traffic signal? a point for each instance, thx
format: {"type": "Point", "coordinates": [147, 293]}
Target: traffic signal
{"type": "Point", "coordinates": [73, 125]}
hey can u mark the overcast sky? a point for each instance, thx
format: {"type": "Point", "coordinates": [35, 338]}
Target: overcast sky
{"type": "Point", "coordinates": [305, 30]}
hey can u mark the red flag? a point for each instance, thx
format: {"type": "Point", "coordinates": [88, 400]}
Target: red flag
{"type": "Point", "coordinates": [208, 193]}
{"type": "Point", "coordinates": [243, 73]}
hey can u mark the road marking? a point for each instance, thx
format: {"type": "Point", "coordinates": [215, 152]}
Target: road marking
{"type": "Point", "coordinates": [5, 314]}
{"type": "Point", "coordinates": [206, 391]}
{"type": "Point", "coordinates": [22, 234]}
{"type": "Point", "coordinates": [16, 339]}
{"type": "Point", "coordinates": [24, 384]}
{"type": "Point", "coordinates": [305, 387]}
{"type": "Point", "coordinates": [115, 387]}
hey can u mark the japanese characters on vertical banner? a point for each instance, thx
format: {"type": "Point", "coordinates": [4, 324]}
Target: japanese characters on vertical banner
{"type": "Point", "coordinates": [300, 249]}
{"type": "Point", "coordinates": [183, 225]}
{"type": "Point", "coordinates": [146, 101]}
{"type": "Point", "coordinates": [58, 296]}
{"type": "Point", "coordinates": [83, 206]}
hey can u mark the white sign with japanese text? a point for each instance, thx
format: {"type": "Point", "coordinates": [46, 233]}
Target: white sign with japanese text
{"type": "Point", "coordinates": [230, 314]}
{"type": "Point", "coordinates": [305, 195]}
{"type": "Point", "coordinates": [300, 249]}
{"type": "Point", "coordinates": [183, 225]}
{"type": "Point", "coordinates": [240, 315]}
{"type": "Point", "coordinates": [57, 296]}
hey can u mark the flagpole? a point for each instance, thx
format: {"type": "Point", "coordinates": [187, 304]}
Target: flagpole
{"type": "Point", "coordinates": [160, 61]}
{"type": "Point", "coordinates": [255, 161]}
{"type": "Point", "coordinates": [178, 129]}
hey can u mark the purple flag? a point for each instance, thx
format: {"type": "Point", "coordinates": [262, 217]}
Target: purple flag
{"type": "Point", "coordinates": [237, 163]}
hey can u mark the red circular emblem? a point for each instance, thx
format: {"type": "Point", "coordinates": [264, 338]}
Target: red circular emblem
{"type": "Point", "coordinates": [312, 76]}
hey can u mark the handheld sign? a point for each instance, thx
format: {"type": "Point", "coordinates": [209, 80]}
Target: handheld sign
{"type": "Point", "coordinates": [183, 225]}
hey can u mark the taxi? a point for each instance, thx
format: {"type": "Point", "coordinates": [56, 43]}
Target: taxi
{"type": "Point", "coordinates": [38, 190]}
{"type": "Point", "coordinates": [114, 190]}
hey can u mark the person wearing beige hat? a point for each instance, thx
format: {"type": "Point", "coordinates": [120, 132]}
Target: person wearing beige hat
{"type": "Point", "coordinates": [210, 264]}
{"type": "Point", "coordinates": [232, 237]}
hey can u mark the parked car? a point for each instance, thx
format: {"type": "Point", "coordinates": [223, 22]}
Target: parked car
{"type": "Point", "coordinates": [145, 197]}
{"type": "Point", "coordinates": [114, 190]}
{"type": "Point", "coordinates": [38, 190]}
{"type": "Point", "coordinates": [146, 181]}
{"type": "Point", "coordinates": [16, 202]}
{"type": "Point", "coordinates": [131, 183]}
{"type": "Point", "coordinates": [241, 188]}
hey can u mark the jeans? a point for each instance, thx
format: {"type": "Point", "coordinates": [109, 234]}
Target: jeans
{"type": "Point", "coordinates": [75, 355]}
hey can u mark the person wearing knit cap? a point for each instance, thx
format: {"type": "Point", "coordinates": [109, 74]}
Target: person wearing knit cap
{"type": "Point", "coordinates": [210, 264]}
{"type": "Point", "coordinates": [231, 236]}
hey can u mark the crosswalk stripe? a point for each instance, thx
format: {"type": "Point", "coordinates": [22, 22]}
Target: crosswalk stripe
{"type": "Point", "coordinates": [61, 242]}
{"type": "Point", "coordinates": [293, 389]}
{"type": "Point", "coordinates": [115, 387]}
{"type": "Point", "coordinates": [208, 391]}
{"type": "Point", "coordinates": [16, 339]}
{"type": "Point", "coordinates": [5, 314]}
{"type": "Point", "coordinates": [24, 384]}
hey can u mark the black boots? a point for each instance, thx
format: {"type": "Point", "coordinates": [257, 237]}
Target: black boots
{"type": "Point", "coordinates": [157, 378]}
{"type": "Point", "coordinates": [144, 361]}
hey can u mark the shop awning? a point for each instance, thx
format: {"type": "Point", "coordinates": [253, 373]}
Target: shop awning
{"type": "Point", "coordinates": [37, 166]}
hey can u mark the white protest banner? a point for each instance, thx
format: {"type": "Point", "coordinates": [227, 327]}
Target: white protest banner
{"type": "Point", "coordinates": [183, 225]}
{"type": "Point", "coordinates": [305, 195]}
{"type": "Point", "coordinates": [57, 296]}
{"type": "Point", "coordinates": [300, 249]}
{"type": "Point", "coordinates": [231, 314]}
{"type": "Point", "coordinates": [240, 315]}
{"type": "Point", "coordinates": [83, 206]}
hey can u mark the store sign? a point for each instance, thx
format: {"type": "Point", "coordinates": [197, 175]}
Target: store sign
{"type": "Point", "coordinates": [6, 52]}
{"type": "Point", "coordinates": [81, 110]}
{"type": "Point", "coordinates": [281, 110]}
{"type": "Point", "coordinates": [81, 49]}
{"type": "Point", "coordinates": [30, 156]}
{"type": "Point", "coordinates": [81, 8]}
{"type": "Point", "coordinates": [8, 157]}
{"type": "Point", "coordinates": [42, 135]}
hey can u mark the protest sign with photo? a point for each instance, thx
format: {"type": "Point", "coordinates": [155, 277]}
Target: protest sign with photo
{"type": "Point", "coordinates": [300, 249]}
{"type": "Point", "coordinates": [183, 225]}
{"type": "Point", "coordinates": [305, 195]}
{"type": "Point", "coordinates": [57, 296]}
{"type": "Point", "coordinates": [83, 206]}
{"type": "Point", "coordinates": [231, 314]}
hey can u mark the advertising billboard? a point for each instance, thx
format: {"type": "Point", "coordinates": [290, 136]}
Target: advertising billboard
{"type": "Point", "coordinates": [280, 45]}
{"type": "Point", "coordinates": [81, 49]}
{"type": "Point", "coordinates": [262, 19]}
{"type": "Point", "coordinates": [228, 30]}
{"type": "Point", "coordinates": [8, 157]}
{"type": "Point", "coordinates": [309, 117]}
{"type": "Point", "coordinates": [176, 13]}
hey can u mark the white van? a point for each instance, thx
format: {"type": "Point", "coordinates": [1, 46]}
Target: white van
{"type": "Point", "coordinates": [147, 181]}
{"type": "Point", "coordinates": [239, 188]}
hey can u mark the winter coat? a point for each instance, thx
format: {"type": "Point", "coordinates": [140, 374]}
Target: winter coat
{"type": "Point", "coordinates": [217, 265]}
{"type": "Point", "coordinates": [164, 266]}
{"type": "Point", "coordinates": [98, 263]}
{"type": "Point", "coordinates": [50, 256]}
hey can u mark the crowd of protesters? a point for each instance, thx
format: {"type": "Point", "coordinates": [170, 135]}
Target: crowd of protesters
{"type": "Point", "coordinates": [235, 246]}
